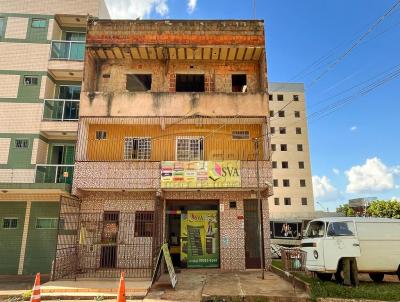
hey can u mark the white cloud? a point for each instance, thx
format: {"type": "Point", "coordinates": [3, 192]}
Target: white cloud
{"type": "Point", "coordinates": [353, 128]}
{"type": "Point", "coordinates": [336, 171]}
{"type": "Point", "coordinates": [373, 176]}
{"type": "Point", "coordinates": [394, 198]}
{"type": "Point", "coordinates": [191, 5]}
{"type": "Point", "coordinates": [323, 189]}
{"type": "Point", "coordinates": [132, 9]}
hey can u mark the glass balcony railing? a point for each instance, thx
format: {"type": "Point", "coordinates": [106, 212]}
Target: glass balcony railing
{"type": "Point", "coordinates": [54, 173]}
{"type": "Point", "coordinates": [67, 50]}
{"type": "Point", "coordinates": [61, 110]}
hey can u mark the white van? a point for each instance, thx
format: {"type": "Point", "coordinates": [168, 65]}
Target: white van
{"type": "Point", "coordinates": [373, 242]}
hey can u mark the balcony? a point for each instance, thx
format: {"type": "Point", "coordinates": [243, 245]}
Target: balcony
{"type": "Point", "coordinates": [147, 175]}
{"type": "Point", "coordinates": [123, 104]}
{"type": "Point", "coordinates": [54, 174]}
{"type": "Point", "coordinates": [67, 50]}
{"type": "Point", "coordinates": [61, 110]}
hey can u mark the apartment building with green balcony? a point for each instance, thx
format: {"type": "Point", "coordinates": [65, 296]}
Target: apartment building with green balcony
{"type": "Point", "coordinates": [42, 45]}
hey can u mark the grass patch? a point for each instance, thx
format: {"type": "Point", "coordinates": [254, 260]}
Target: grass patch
{"type": "Point", "coordinates": [384, 291]}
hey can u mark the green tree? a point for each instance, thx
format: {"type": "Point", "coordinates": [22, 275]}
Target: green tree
{"type": "Point", "coordinates": [345, 210]}
{"type": "Point", "coordinates": [385, 209]}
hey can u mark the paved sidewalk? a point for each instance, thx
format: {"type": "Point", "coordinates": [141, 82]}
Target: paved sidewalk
{"type": "Point", "coordinates": [212, 285]}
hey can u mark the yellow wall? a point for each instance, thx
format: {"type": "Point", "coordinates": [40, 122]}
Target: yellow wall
{"type": "Point", "coordinates": [218, 141]}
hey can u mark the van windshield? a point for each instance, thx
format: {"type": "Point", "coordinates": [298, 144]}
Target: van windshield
{"type": "Point", "coordinates": [315, 229]}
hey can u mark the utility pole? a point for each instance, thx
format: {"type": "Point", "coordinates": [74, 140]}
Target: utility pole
{"type": "Point", "coordinates": [259, 210]}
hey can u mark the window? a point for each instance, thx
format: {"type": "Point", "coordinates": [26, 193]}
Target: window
{"type": "Point", "coordinates": [298, 130]}
{"type": "Point", "coordinates": [137, 148]}
{"type": "Point", "coordinates": [238, 134]}
{"type": "Point", "coordinates": [285, 165]}
{"type": "Point", "coordinates": [282, 130]}
{"type": "Point", "coordinates": [287, 201]}
{"type": "Point", "coordinates": [271, 113]}
{"type": "Point", "coordinates": [46, 223]}
{"type": "Point", "coordinates": [301, 164]}
{"type": "Point", "coordinates": [302, 182]}
{"type": "Point", "coordinates": [274, 165]}
{"type": "Point", "coordinates": [69, 92]}
{"type": "Point", "coordinates": [232, 205]}
{"type": "Point", "coordinates": [315, 229]}
{"type": "Point", "coordinates": [280, 97]}
{"type": "Point", "coordinates": [295, 98]}
{"type": "Point", "coordinates": [10, 223]}
{"type": "Point", "coordinates": [271, 97]}
{"type": "Point", "coordinates": [273, 147]}
{"type": "Point", "coordinates": [239, 83]}
{"type": "Point", "coordinates": [190, 82]}
{"type": "Point", "coordinates": [75, 36]}
{"type": "Point", "coordinates": [283, 147]}
{"type": "Point", "coordinates": [297, 114]}
{"type": "Point", "coordinates": [343, 228]}
{"type": "Point", "coordinates": [304, 201]}
{"type": "Point", "coordinates": [144, 223]}
{"type": "Point", "coordinates": [190, 148]}
{"type": "Point", "coordinates": [281, 113]}
{"type": "Point", "coordinates": [299, 147]}
{"type": "Point", "coordinates": [275, 182]}
{"type": "Point", "coordinates": [2, 26]}
{"type": "Point", "coordinates": [21, 143]}
{"type": "Point", "coordinates": [276, 201]}
{"type": "Point", "coordinates": [39, 23]}
{"type": "Point", "coordinates": [31, 81]}
{"type": "Point", "coordinates": [272, 130]}
{"type": "Point", "coordinates": [101, 135]}
{"type": "Point", "coordinates": [138, 82]}
{"type": "Point", "coordinates": [286, 183]}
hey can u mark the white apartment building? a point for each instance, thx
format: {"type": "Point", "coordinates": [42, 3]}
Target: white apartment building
{"type": "Point", "coordinates": [293, 200]}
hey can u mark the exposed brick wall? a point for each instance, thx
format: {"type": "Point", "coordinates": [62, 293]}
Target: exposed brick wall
{"type": "Point", "coordinates": [217, 74]}
{"type": "Point", "coordinates": [177, 32]}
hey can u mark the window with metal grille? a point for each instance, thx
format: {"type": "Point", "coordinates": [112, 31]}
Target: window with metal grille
{"type": "Point", "coordinates": [144, 221]}
{"type": "Point", "coordinates": [295, 98]}
{"type": "Point", "coordinates": [237, 134]}
{"type": "Point", "coordinates": [280, 97]}
{"type": "Point", "coordinates": [101, 135]}
{"type": "Point", "coordinates": [21, 143]}
{"type": "Point", "coordinates": [137, 148]}
{"type": "Point", "coordinates": [189, 148]}
{"type": "Point", "coordinates": [10, 223]}
{"type": "Point", "coordinates": [301, 164]}
{"type": "Point", "coordinates": [304, 201]}
{"type": "Point", "coordinates": [276, 201]}
{"type": "Point", "coordinates": [287, 201]}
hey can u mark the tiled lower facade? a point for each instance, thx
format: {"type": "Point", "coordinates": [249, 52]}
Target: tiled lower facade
{"type": "Point", "coordinates": [231, 224]}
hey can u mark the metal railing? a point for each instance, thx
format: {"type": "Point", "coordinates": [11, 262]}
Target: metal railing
{"type": "Point", "coordinates": [60, 110]}
{"type": "Point", "coordinates": [49, 173]}
{"type": "Point", "coordinates": [67, 50]}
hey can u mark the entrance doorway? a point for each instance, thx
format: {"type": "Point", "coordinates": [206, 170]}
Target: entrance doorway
{"type": "Point", "coordinates": [251, 234]}
{"type": "Point", "coordinates": [192, 229]}
{"type": "Point", "coordinates": [109, 236]}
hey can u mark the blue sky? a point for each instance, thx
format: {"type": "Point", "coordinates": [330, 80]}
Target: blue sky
{"type": "Point", "coordinates": [355, 150]}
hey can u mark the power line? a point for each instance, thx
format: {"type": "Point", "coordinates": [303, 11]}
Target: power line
{"type": "Point", "coordinates": [358, 41]}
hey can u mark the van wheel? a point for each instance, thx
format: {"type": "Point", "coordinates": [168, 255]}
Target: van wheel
{"type": "Point", "coordinates": [324, 276]}
{"type": "Point", "coordinates": [377, 277]}
{"type": "Point", "coordinates": [339, 273]}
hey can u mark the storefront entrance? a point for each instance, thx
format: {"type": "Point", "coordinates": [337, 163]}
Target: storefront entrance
{"type": "Point", "coordinates": [192, 229]}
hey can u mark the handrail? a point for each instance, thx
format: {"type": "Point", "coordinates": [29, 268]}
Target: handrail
{"type": "Point", "coordinates": [53, 173]}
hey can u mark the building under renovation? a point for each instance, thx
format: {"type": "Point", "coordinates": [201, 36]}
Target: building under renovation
{"type": "Point", "coordinates": [173, 121]}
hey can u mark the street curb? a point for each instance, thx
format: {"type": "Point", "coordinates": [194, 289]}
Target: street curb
{"type": "Point", "coordinates": [297, 282]}
{"type": "Point", "coordinates": [255, 298]}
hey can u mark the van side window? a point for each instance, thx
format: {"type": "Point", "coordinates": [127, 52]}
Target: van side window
{"type": "Point", "coordinates": [344, 228]}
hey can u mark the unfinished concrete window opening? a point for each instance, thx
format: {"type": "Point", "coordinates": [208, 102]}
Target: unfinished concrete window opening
{"type": "Point", "coordinates": [138, 82]}
{"type": "Point", "coordinates": [239, 83]}
{"type": "Point", "coordinates": [190, 83]}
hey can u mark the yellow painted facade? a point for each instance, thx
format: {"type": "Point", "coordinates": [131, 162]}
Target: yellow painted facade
{"type": "Point", "coordinates": [218, 141]}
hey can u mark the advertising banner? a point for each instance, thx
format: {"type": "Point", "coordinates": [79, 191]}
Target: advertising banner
{"type": "Point", "coordinates": [200, 239]}
{"type": "Point", "coordinates": [200, 174]}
